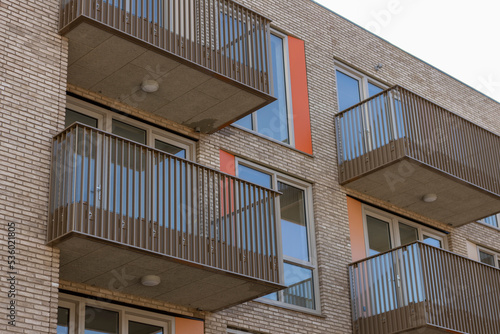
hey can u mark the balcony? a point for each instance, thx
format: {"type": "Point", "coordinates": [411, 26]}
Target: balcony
{"type": "Point", "coordinates": [120, 210]}
{"type": "Point", "coordinates": [211, 58]}
{"type": "Point", "coordinates": [398, 147]}
{"type": "Point", "coordinates": [422, 289]}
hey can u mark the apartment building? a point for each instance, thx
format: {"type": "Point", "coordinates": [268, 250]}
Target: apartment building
{"type": "Point", "coordinates": [189, 167]}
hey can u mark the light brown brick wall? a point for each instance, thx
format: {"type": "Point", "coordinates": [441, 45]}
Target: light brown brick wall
{"type": "Point", "coordinates": [32, 100]}
{"type": "Point", "coordinates": [33, 61]}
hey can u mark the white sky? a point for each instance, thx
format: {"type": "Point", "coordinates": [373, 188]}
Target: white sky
{"type": "Point", "coordinates": [461, 38]}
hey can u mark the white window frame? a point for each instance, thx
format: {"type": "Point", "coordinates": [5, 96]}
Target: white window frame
{"type": "Point", "coordinates": [236, 331]}
{"type": "Point", "coordinates": [313, 263]}
{"type": "Point", "coordinates": [125, 314]}
{"type": "Point", "coordinates": [289, 106]}
{"type": "Point", "coordinates": [362, 78]}
{"type": "Point", "coordinates": [495, 227]}
{"type": "Point", "coordinates": [496, 255]}
{"type": "Point", "coordinates": [394, 221]}
{"type": "Point", "coordinates": [105, 122]}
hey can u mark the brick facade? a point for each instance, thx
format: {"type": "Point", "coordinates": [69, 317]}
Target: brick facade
{"type": "Point", "coordinates": [33, 64]}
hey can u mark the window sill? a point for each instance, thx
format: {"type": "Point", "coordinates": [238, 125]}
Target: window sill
{"type": "Point", "coordinates": [488, 225]}
{"type": "Point", "coordinates": [270, 139]}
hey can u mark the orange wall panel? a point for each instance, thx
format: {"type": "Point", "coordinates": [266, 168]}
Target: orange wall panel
{"type": "Point", "coordinates": [300, 96]}
{"type": "Point", "coordinates": [227, 164]}
{"type": "Point", "coordinates": [355, 214]}
{"type": "Point", "coordinates": [188, 326]}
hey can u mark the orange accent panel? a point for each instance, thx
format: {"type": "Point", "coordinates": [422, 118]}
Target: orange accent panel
{"type": "Point", "coordinates": [188, 326]}
{"type": "Point", "coordinates": [227, 164]}
{"type": "Point", "coordinates": [300, 96]}
{"type": "Point", "coordinates": [355, 214]}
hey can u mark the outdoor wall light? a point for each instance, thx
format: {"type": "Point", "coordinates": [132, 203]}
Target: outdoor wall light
{"type": "Point", "coordinates": [429, 198]}
{"type": "Point", "coordinates": [150, 86]}
{"type": "Point", "coordinates": [378, 67]}
{"type": "Point", "coordinates": [150, 280]}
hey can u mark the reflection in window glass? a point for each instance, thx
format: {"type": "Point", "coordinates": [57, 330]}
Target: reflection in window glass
{"type": "Point", "coordinates": [379, 237]}
{"type": "Point", "coordinates": [272, 120]}
{"type": "Point", "coordinates": [407, 234]}
{"type": "Point", "coordinates": [129, 132]}
{"type": "Point", "coordinates": [255, 176]}
{"type": "Point", "coordinates": [432, 241]}
{"type": "Point", "coordinates": [348, 91]}
{"type": "Point", "coordinates": [100, 321]}
{"type": "Point", "coordinates": [169, 148]}
{"type": "Point", "coordinates": [73, 116]}
{"type": "Point", "coordinates": [373, 90]}
{"type": "Point", "coordinates": [487, 258]}
{"type": "Point", "coordinates": [140, 328]}
{"type": "Point", "coordinates": [62, 320]}
{"type": "Point", "coordinates": [491, 220]}
{"type": "Point", "coordinates": [300, 286]}
{"type": "Point", "coordinates": [293, 222]}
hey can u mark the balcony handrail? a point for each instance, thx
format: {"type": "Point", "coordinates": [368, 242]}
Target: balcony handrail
{"type": "Point", "coordinates": [422, 243]}
{"type": "Point", "coordinates": [111, 188]}
{"type": "Point", "coordinates": [149, 148]}
{"type": "Point", "coordinates": [417, 285]}
{"type": "Point", "coordinates": [220, 35]}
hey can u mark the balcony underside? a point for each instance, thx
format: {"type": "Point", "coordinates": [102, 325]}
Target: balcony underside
{"type": "Point", "coordinates": [117, 267]}
{"type": "Point", "coordinates": [113, 63]}
{"type": "Point", "coordinates": [404, 183]}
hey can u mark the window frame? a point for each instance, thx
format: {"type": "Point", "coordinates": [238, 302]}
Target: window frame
{"type": "Point", "coordinates": [496, 256]}
{"type": "Point", "coordinates": [105, 122]}
{"type": "Point", "coordinates": [77, 306]}
{"type": "Point", "coordinates": [482, 221]}
{"type": "Point", "coordinates": [394, 221]}
{"type": "Point", "coordinates": [312, 264]}
{"type": "Point", "coordinates": [288, 93]}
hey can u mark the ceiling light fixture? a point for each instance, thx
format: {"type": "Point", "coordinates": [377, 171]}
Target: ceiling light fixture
{"type": "Point", "coordinates": [429, 198]}
{"type": "Point", "coordinates": [150, 280]}
{"type": "Point", "coordinates": [150, 86]}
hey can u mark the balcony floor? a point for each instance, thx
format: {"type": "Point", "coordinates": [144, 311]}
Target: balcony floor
{"type": "Point", "coordinates": [114, 267]}
{"type": "Point", "coordinates": [114, 64]}
{"type": "Point", "coordinates": [405, 182]}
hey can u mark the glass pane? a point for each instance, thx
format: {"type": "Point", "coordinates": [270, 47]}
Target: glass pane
{"type": "Point", "coordinates": [347, 91]}
{"type": "Point", "coordinates": [62, 320]}
{"type": "Point", "coordinates": [487, 258]}
{"type": "Point", "coordinates": [293, 222]}
{"type": "Point", "coordinates": [255, 176]}
{"type": "Point", "coordinates": [272, 120]}
{"type": "Point", "coordinates": [491, 220]}
{"type": "Point", "coordinates": [140, 328]}
{"type": "Point", "coordinates": [407, 234]}
{"type": "Point", "coordinates": [432, 241]}
{"type": "Point", "coordinates": [169, 148]}
{"type": "Point", "coordinates": [379, 236]}
{"type": "Point", "coordinates": [300, 286]}
{"type": "Point", "coordinates": [100, 321]}
{"type": "Point", "coordinates": [245, 122]}
{"type": "Point", "coordinates": [373, 90]}
{"type": "Point", "coordinates": [128, 131]}
{"type": "Point", "coordinates": [73, 116]}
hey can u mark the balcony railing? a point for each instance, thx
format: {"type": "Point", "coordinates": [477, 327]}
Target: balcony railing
{"type": "Point", "coordinates": [107, 188]}
{"type": "Point", "coordinates": [397, 123]}
{"type": "Point", "coordinates": [219, 35]}
{"type": "Point", "coordinates": [417, 286]}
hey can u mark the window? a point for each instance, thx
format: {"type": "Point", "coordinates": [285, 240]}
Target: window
{"type": "Point", "coordinates": [385, 231]}
{"type": "Point", "coordinates": [299, 267]}
{"type": "Point", "coordinates": [91, 115]}
{"type": "Point", "coordinates": [489, 257]}
{"type": "Point", "coordinates": [492, 220]}
{"type": "Point", "coordinates": [274, 120]}
{"type": "Point", "coordinates": [77, 315]}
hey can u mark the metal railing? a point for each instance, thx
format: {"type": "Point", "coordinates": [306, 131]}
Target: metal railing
{"type": "Point", "coordinates": [418, 285]}
{"type": "Point", "coordinates": [219, 35]}
{"type": "Point", "coordinates": [397, 123]}
{"type": "Point", "coordinates": [107, 187]}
